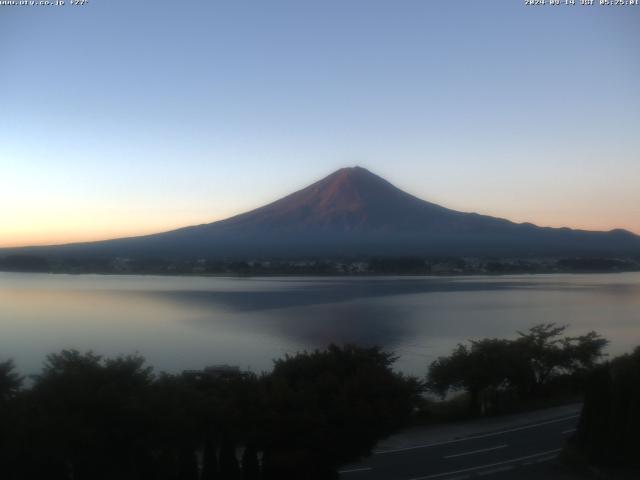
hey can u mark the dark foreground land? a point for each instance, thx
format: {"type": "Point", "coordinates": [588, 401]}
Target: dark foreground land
{"type": "Point", "coordinates": [322, 415]}
{"type": "Point", "coordinates": [552, 443]}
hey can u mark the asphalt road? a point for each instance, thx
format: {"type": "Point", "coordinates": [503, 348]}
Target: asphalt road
{"type": "Point", "coordinates": [488, 454]}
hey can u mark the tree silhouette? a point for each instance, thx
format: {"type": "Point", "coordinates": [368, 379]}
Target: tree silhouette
{"type": "Point", "coordinates": [229, 467]}
{"type": "Point", "coordinates": [10, 385]}
{"type": "Point", "coordinates": [328, 408]}
{"type": "Point", "coordinates": [250, 464]}
{"type": "Point", "coordinates": [608, 429]}
{"type": "Point", "coordinates": [86, 417]}
{"type": "Point", "coordinates": [10, 381]}
{"type": "Point", "coordinates": [524, 366]}
{"type": "Point", "coordinates": [210, 469]}
{"type": "Point", "coordinates": [485, 364]}
{"type": "Point", "coordinates": [93, 409]}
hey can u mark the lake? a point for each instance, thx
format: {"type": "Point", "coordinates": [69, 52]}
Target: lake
{"type": "Point", "coordinates": [188, 322]}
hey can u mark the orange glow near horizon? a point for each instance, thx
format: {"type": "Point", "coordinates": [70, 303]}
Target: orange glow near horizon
{"type": "Point", "coordinates": [46, 214]}
{"type": "Point", "coordinates": [87, 229]}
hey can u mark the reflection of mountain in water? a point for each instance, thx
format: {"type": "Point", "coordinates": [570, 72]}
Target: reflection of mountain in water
{"type": "Point", "coordinates": [188, 322]}
{"type": "Point", "coordinates": [331, 292]}
{"type": "Point", "coordinates": [328, 311]}
{"type": "Point", "coordinates": [362, 324]}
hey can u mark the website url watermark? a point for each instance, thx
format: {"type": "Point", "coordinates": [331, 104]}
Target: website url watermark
{"type": "Point", "coordinates": [42, 3]}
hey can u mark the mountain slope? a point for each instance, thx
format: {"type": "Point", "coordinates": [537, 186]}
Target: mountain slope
{"type": "Point", "coordinates": [354, 212]}
{"type": "Point", "coordinates": [355, 200]}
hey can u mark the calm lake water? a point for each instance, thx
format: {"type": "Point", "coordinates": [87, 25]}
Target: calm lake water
{"type": "Point", "coordinates": [189, 322]}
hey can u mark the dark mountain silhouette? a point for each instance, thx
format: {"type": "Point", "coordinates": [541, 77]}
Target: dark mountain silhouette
{"type": "Point", "coordinates": [354, 212]}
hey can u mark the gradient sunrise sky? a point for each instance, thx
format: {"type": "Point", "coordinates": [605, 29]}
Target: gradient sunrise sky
{"type": "Point", "coordinates": [121, 118]}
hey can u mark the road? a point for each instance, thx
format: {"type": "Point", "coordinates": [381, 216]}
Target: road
{"type": "Point", "coordinates": [480, 453]}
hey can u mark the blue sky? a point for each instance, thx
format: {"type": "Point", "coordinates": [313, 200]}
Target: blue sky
{"type": "Point", "coordinates": [120, 118]}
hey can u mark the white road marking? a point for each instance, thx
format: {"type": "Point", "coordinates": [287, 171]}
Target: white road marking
{"type": "Point", "coordinates": [571, 430]}
{"type": "Point", "coordinates": [490, 465]}
{"type": "Point", "coordinates": [475, 437]}
{"type": "Point", "coordinates": [475, 451]}
{"type": "Point", "coordinates": [354, 470]}
{"type": "Point", "coordinates": [493, 471]}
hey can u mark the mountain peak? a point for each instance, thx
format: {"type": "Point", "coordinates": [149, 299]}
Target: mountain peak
{"type": "Point", "coordinates": [351, 173]}
{"type": "Point", "coordinates": [354, 183]}
{"type": "Point", "coordinates": [348, 190]}
{"type": "Point", "coordinates": [355, 170]}
{"type": "Point", "coordinates": [351, 199]}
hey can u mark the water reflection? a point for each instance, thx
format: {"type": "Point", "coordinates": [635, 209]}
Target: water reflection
{"type": "Point", "coordinates": [313, 315]}
{"type": "Point", "coordinates": [189, 322]}
{"type": "Point", "coordinates": [326, 292]}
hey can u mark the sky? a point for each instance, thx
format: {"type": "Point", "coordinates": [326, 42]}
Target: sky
{"type": "Point", "coordinates": [120, 118]}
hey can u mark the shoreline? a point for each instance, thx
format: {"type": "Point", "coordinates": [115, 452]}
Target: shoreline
{"type": "Point", "coordinates": [324, 275]}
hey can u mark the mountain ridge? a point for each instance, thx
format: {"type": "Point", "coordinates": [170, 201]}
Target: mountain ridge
{"type": "Point", "coordinates": [354, 212]}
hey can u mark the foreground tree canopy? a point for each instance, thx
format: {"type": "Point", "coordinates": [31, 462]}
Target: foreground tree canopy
{"type": "Point", "coordinates": [524, 367]}
{"type": "Point", "coordinates": [607, 434]}
{"type": "Point", "coordinates": [88, 417]}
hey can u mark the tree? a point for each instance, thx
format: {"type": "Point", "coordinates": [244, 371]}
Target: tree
{"type": "Point", "coordinates": [486, 364]}
{"type": "Point", "coordinates": [175, 426]}
{"type": "Point", "coordinates": [250, 464]}
{"type": "Point", "coordinates": [328, 408]}
{"type": "Point", "coordinates": [10, 381]}
{"type": "Point", "coordinates": [543, 347]}
{"type": "Point", "coordinates": [210, 469]}
{"type": "Point", "coordinates": [607, 433]}
{"type": "Point", "coordinates": [229, 467]}
{"type": "Point", "coordinates": [89, 417]}
{"type": "Point", "coordinates": [230, 414]}
{"type": "Point", "coordinates": [10, 386]}
{"type": "Point", "coordinates": [549, 354]}
{"type": "Point", "coordinates": [523, 366]}
{"type": "Point", "coordinates": [93, 409]}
